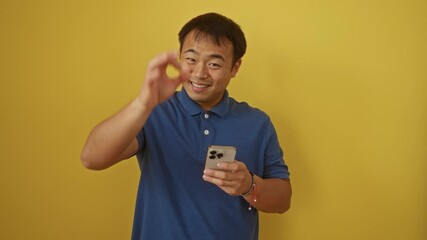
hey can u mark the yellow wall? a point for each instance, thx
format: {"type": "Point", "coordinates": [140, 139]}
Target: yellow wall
{"type": "Point", "coordinates": [344, 81]}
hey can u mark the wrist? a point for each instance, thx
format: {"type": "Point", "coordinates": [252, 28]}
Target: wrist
{"type": "Point", "coordinates": [142, 105]}
{"type": "Point", "coordinates": [252, 186]}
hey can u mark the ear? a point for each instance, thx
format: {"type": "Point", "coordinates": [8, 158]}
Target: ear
{"type": "Point", "coordinates": [236, 68]}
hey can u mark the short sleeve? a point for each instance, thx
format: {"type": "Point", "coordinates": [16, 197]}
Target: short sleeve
{"type": "Point", "coordinates": [274, 163]}
{"type": "Point", "coordinates": [140, 137]}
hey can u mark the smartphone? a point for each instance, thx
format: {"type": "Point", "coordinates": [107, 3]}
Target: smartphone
{"type": "Point", "coordinates": [218, 154]}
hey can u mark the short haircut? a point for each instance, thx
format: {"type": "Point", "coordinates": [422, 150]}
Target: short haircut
{"type": "Point", "coordinates": [217, 27]}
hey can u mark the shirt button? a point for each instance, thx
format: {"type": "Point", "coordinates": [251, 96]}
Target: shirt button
{"type": "Point", "coordinates": [206, 132]}
{"type": "Point", "coordinates": [206, 115]}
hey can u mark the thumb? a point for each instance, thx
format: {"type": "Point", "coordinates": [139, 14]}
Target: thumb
{"type": "Point", "coordinates": [182, 77]}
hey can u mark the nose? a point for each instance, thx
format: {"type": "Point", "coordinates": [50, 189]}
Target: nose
{"type": "Point", "coordinates": [200, 70]}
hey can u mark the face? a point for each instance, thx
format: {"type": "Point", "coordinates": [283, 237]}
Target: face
{"type": "Point", "coordinates": [210, 69]}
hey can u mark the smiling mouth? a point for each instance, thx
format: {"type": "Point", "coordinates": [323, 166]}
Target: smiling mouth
{"type": "Point", "coordinates": [198, 85]}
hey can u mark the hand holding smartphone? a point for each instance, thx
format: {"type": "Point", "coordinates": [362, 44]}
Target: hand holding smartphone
{"type": "Point", "coordinates": [218, 154]}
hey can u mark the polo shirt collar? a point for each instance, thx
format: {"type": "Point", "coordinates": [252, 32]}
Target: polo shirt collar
{"type": "Point", "coordinates": [194, 109]}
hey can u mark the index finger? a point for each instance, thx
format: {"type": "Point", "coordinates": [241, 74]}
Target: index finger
{"type": "Point", "coordinates": [164, 59]}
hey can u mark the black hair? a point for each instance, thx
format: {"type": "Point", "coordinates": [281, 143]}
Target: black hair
{"type": "Point", "coordinates": [217, 27]}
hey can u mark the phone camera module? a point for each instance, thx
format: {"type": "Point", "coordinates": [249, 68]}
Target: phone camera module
{"type": "Point", "coordinates": [215, 154]}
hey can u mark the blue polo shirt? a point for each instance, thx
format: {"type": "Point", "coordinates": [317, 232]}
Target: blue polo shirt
{"type": "Point", "coordinates": [173, 200]}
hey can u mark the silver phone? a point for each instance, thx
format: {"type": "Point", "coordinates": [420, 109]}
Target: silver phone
{"type": "Point", "coordinates": [218, 154]}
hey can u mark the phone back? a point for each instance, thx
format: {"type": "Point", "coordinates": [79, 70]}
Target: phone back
{"type": "Point", "coordinates": [218, 154]}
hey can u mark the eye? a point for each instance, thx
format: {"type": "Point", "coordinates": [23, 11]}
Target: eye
{"type": "Point", "coordinates": [190, 60]}
{"type": "Point", "coordinates": [214, 65]}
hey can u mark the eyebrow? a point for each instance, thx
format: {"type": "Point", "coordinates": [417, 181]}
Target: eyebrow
{"type": "Point", "coordinates": [190, 50]}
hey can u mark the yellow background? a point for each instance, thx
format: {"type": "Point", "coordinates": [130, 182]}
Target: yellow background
{"type": "Point", "coordinates": [344, 82]}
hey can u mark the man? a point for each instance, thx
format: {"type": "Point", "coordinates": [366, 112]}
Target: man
{"type": "Point", "coordinates": [170, 133]}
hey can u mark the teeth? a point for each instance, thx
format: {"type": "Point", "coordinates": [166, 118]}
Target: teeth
{"type": "Point", "coordinates": [199, 85]}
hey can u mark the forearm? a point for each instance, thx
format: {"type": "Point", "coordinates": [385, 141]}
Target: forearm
{"type": "Point", "coordinates": [272, 195]}
{"type": "Point", "coordinates": [111, 140]}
